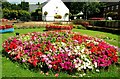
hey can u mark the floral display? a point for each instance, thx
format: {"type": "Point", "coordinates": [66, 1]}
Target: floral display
{"type": "Point", "coordinates": [61, 51]}
{"type": "Point", "coordinates": [58, 27]}
{"type": "Point", "coordinates": [57, 16]}
{"type": "Point", "coordinates": [6, 28]}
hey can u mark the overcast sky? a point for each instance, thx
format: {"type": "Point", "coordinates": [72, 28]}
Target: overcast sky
{"type": "Point", "coordinates": [41, 1]}
{"type": "Point", "coordinates": [31, 1]}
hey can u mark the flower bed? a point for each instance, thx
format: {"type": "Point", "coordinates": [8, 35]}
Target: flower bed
{"type": "Point", "coordinates": [6, 28]}
{"type": "Point", "coordinates": [58, 27]}
{"type": "Point", "coordinates": [61, 51]}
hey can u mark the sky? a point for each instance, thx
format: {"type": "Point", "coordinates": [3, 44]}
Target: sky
{"type": "Point", "coordinates": [41, 1]}
{"type": "Point", "coordinates": [30, 1]}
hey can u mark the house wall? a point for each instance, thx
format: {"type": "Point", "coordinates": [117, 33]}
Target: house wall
{"type": "Point", "coordinates": [113, 7]}
{"type": "Point", "coordinates": [53, 7]}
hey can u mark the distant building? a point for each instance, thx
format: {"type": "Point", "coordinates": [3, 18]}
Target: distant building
{"type": "Point", "coordinates": [33, 7]}
{"type": "Point", "coordinates": [112, 10]}
{"type": "Point", "coordinates": [54, 8]}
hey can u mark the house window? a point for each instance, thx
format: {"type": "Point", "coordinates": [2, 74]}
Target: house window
{"type": "Point", "coordinates": [117, 6]}
{"type": "Point", "coordinates": [108, 8]}
{"type": "Point", "coordinates": [104, 9]}
{"type": "Point", "coordinates": [112, 7]}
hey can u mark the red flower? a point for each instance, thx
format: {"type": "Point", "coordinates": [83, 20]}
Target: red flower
{"type": "Point", "coordinates": [110, 55]}
{"type": "Point", "coordinates": [55, 67]}
{"type": "Point", "coordinates": [35, 62]}
{"type": "Point", "coordinates": [115, 58]}
{"type": "Point", "coordinates": [39, 53]}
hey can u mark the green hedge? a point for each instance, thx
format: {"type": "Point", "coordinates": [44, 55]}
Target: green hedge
{"type": "Point", "coordinates": [18, 14]}
{"type": "Point", "coordinates": [105, 23]}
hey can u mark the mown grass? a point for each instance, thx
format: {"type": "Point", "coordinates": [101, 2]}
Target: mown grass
{"type": "Point", "coordinates": [14, 69]}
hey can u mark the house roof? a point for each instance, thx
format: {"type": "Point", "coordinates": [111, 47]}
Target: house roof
{"type": "Point", "coordinates": [33, 7]}
{"type": "Point", "coordinates": [43, 4]}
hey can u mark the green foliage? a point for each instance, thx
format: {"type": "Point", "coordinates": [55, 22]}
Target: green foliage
{"type": "Point", "coordinates": [37, 15]}
{"type": "Point", "coordinates": [19, 14]}
{"type": "Point", "coordinates": [24, 15]}
{"type": "Point", "coordinates": [6, 13]}
{"type": "Point", "coordinates": [13, 14]}
{"type": "Point", "coordinates": [6, 5]}
{"type": "Point", "coordinates": [45, 13]}
{"type": "Point", "coordinates": [80, 27]}
{"type": "Point", "coordinates": [22, 6]}
{"type": "Point", "coordinates": [104, 23]}
{"type": "Point", "coordinates": [88, 8]}
{"type": "Point", "coordinates": [25, 6]}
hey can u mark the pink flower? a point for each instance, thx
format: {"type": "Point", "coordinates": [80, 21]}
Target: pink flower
{"type": "Point", "coordinates": [47, 73]}
{"type": "Point", "coordinates": [56, 75]}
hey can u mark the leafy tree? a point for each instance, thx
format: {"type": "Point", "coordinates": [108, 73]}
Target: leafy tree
{"type": "Point", "coordinates": [6, 13]}
{"type": "Point", "coordinates": [92, 8]}
{"type": "Point", "coordinates": [24, 15]}
{"type": "Point", "coordinates": [88, 8]}
{"type": "Point", "coordinates": [37, 15]}
{"type": "Point", "coordinates": [6, 5]}
{"type": "Point", "coordinates": [15, 7]}
{"type": "Point", "coordinates": [24, 6]}
{"type": "Point", "coordinates": [13, 14]}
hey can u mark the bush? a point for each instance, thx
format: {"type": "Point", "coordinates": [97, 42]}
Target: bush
{"type": "Point", "coordinates": [81, 27]}
{"type": "Point", "coordinates": [37, 15]}
{"type": "Point", "coordinates": [6, 13]}
{"type": "Point", "coordinates": [24, 15]}
{"type": "Point", "coordinates": [81, 22]}
{"type": "Point", "coordinates": [18, 14]}
{"type": "Point", "coordinates": [105, 23]}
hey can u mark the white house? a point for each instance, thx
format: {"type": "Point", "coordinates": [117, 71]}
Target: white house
{"type": "Point", "coordinates": [54, 8]}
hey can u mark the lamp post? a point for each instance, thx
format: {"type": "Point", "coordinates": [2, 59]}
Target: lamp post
{"type": "Point", "coordinates": [86, 10]}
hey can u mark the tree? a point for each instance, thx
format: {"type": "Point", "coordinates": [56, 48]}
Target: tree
{"type": "Point", "coordinates": [24, 15]}
{"type": "Point", "coordinates": [92, 8]}
{"type": "Point", "coordinates": [37, 15]}
{"type": "Point", "coordinates": [6, 13]}
{"type": "Point", "coordinates": [6, 5]}
{"type": "Point", "coordinates": [88, 8]}
{"type": "Point", "coordinates": [24, 6]}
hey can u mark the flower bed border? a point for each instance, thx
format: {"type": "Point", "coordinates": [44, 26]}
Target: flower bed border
{"type": "Point", "coordinates": [7, 30]}
{"type": "Point", "coordinates": [58, 27]}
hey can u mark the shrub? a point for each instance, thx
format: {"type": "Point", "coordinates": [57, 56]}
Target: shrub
{"type": "Point", "coordinates": [81, 22]}
{"type": "Point", "coordinates": [81, 27]}
{"type": "Point", "coordinates": [24, 15]}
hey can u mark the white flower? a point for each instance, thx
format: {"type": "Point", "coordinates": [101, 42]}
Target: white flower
{"type": "Point", "coordinates": [95, 63]}
{"type": "Point", "coordinates": [84, 74]}
{"type": "Point", "coordinates": [69, 53]}
{"type": "Point", "coordinates": [79, 69]}
{"type": "Point", "coordinates": [76, 66]}
{"type": "Point", "coordinates": [44, 56]}
{"type": "Point", "coordinates": [50, 50]}
{"type": "Point", "coordinates": [74, 60]}
{"type": "Point", "coordinates": [63, 44]}
{"type": "Point", "coordinates": [83, 50]}
{"type": "Point", "coordinates": [84, 66]}
{"type": "Point", "coordinates": [90, 67]}
{"type": "Point", "coordinates": [77, 47]}
{"type": "Point", "coordinates": [97, 70]}
{"type": "Point", "coordinates": [75, 50]}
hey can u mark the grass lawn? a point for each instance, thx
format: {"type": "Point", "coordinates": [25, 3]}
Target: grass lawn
{"type": "Point", "coordinates": [13, 69]}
